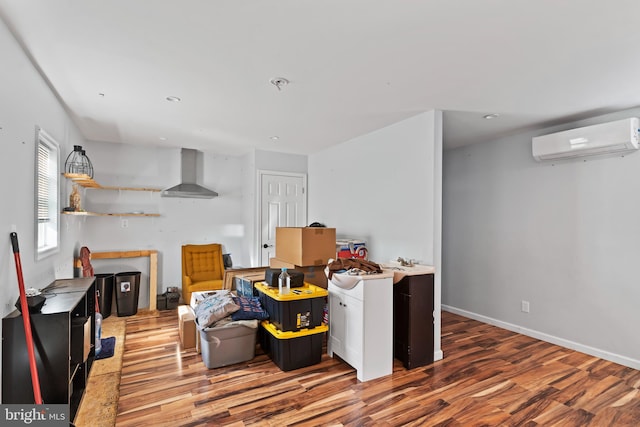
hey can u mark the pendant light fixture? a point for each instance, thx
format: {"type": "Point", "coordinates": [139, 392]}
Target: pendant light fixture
{"type": "Point", "coordinates": [78, 163]}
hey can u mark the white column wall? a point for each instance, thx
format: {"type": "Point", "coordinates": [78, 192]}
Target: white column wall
{"type": "Point", "coordinates": [385, 187]}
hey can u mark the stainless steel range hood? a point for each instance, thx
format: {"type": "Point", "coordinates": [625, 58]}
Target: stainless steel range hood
{"type": "Point", "coordinates": [189, 188]}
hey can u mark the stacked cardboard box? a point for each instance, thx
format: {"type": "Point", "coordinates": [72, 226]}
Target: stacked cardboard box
{"type": "Point", "coordinates": [305, 249]}
{"type": "Point", "coordinates": [244, 284]}
{"type": "Point", "coordinates": [187, 327]}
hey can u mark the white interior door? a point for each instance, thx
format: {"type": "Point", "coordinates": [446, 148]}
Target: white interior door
{"type": "Point", "coordinates": [283, 203]}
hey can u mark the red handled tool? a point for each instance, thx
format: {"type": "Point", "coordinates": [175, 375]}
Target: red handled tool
{"type": "Point", "coordinates": [27, 322]}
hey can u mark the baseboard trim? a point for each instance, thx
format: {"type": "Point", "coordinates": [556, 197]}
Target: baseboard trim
{"type": "Point", "coordinates": [612, 357]}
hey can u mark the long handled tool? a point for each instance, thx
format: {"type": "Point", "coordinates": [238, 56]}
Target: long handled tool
{"type": "Point", "coordinates": [24, 308]}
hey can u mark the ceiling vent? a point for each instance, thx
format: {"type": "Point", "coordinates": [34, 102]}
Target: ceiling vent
{"type": "Point", "coordinates": [617, 137]}
{"type": "Point", "coordinates": [188, 187]}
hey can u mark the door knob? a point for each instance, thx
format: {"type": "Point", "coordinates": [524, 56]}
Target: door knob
{"type": "Point", "coordinates": [267, 246]}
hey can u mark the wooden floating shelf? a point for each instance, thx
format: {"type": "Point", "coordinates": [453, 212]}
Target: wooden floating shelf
{"type": "Point", "coordinates": [108, 214]}
{"type": "Point", "coordinates": [87, 182]}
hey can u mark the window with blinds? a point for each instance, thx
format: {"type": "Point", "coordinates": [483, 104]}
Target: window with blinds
{"type": "Point", "coordinates": [47, 195]}
{"type": "Point", "coordinates": [44, 158]}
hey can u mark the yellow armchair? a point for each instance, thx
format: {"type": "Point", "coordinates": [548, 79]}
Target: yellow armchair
{"type": "Point", "coordinates": [202, 269]}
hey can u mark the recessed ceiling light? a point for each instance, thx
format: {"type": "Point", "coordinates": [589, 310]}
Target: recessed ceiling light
{"type": "Point", "coordinates": [101, 94]}
{"type": "Point", "coordinates": [173, 99]}
{"type": "Point", "coordinates": [275, 137]}
{"type": "Point", "coordinates": [163, 138]}
{"type": "Point", "coordinates": [491, 116]}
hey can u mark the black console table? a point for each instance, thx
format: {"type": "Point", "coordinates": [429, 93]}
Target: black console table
{"type": "Point", "coordinates": [64, 339]}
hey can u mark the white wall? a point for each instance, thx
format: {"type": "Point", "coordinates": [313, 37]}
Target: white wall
{"type": "Point", "coordinates": [280, 162]}
{"type": "Point", "coordinates": [385, 187]}
{"type": "Point", "coordinates": [181, 221]}
{"type": "Point", "coordinates": [380, 187]}
{"type": "Point", "coordinates": [27, 102]}
{"type": "Point", "coordinates": [563, 237]}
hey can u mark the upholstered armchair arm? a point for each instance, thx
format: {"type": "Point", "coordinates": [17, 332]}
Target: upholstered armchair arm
{"type": "Point", "coordinates": [186, 281]}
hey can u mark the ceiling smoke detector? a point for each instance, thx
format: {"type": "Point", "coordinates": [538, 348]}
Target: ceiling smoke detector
{"type": "Point", "coordinates": [279, 82]}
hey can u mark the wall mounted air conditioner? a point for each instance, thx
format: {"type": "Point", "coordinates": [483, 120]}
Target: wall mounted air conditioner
{"type": "Point", "coordinates": [616, 137]}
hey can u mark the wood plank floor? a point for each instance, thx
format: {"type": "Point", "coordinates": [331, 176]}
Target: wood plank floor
{"type": "Point", "coordinates": [489, 377]}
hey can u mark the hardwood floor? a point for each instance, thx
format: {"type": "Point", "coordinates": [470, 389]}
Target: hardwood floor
{"type": "Point", "coordinates": [489, 377]}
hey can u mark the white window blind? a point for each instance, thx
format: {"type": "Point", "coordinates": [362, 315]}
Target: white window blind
{"type": "Point", "coordinates": [44, 158]}
{"type": "Point", "coordinates": [47, 195]}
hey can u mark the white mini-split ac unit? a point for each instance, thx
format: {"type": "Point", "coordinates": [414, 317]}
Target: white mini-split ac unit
{"type": "Point", "coordinates": [616, 137]}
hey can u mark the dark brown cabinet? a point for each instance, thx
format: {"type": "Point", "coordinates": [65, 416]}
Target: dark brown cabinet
{"type": "Point", "coordinates": [64, 338]}
{"type": "Point", "coordinates": [413, 320]}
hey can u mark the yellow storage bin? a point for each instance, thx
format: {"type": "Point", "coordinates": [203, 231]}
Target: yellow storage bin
{"type": "Point", "coordinates": [292, 350]}
{"type": "Point", "coordinates": [300, 309]}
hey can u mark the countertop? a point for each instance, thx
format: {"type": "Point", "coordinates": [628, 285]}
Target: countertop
{"type": "Point", "coordinates": [390, 269]}
{"type": "Point", "coordinates": [348, 281]}
{"type": "Point", "coordinates": [400, 271]}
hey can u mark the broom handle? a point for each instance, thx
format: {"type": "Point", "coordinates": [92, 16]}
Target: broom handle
{"type": "Point", "coordinates": [27, 322]}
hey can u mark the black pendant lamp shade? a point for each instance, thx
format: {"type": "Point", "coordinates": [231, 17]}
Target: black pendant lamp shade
{"type": "Point", "coordinates": [78, 163]}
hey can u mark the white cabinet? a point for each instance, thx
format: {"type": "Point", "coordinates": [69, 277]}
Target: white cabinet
{"type": "Point", "coordinates": [361, 325]}
{"type": "Point", "coordinates": [345, 328]}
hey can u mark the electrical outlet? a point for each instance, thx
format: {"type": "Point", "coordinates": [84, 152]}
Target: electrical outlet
{"type": "Point", "coordinates": [124, 223]}
{"type": "Point", "coordinates": [525, 306]}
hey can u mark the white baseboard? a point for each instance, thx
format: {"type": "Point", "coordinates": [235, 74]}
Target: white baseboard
{"type": "Point", "coordinates": [612, 357]}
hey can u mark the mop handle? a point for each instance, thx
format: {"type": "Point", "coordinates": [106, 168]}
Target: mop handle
{"type": "Point", "coordinates": [27, 322]}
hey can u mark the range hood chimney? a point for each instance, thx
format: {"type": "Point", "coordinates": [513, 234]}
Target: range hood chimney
{"type": "Point", "coordinates": [188, 188]}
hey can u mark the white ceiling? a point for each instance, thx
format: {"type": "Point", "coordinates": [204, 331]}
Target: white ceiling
{"type": "Point", "coordinates": [354, 66]}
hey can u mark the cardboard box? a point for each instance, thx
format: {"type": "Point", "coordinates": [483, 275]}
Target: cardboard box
{"type": "Point", "coordinates": [186, 326]}
{"type": "Point", "coordinates": [305, 245]}
{"type": "Point", "coordinates": [313, 274]}
{"type": "Point", "coordinates": [244, 284]}
{"type": "Point", "coordinates": [231, 273]}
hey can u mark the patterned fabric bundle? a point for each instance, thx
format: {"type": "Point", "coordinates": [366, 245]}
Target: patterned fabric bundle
{"type": "Point", "coordinates": [340, 264]}
{"type": "Point", "coordinates": [216, 306]}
